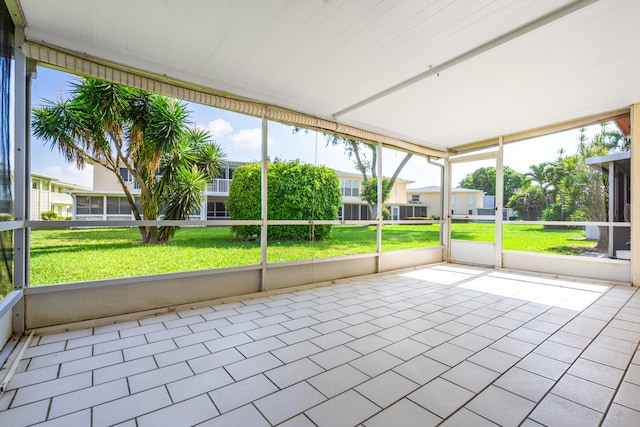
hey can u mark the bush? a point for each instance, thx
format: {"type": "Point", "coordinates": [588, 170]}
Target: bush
{"type": "Point", "coordinates": [296, 192]}
{"type": "Point", "coordinates": [48, 215]}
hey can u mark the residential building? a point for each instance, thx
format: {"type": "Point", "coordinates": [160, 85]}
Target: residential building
{"type": "Point", "coordinates": [107, 201]}
{"type": "Point", "coordinates": [355, 209]}
{"type": "Point", "coordinates": [49, 194]}
{"type": "Point", "coordinates": [464, 201]}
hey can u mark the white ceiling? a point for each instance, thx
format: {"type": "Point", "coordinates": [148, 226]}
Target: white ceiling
{"type": "Point", "coordinates": [321, 57]}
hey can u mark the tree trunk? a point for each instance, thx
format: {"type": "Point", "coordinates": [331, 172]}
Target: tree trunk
{"type": "Point", "coordinates": [373, 210]}
{"type": "Point", "coordinates": [603, 239]}
{"type": "Point", "coordinates": [150, 235]}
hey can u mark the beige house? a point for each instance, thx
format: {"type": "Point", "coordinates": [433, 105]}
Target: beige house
{"type": "Point", "coordinates": [50, 194]}
{"type": "Point", "coordinates": [354, 208]}
{"type": "Point", "coordinates": [463, 201]}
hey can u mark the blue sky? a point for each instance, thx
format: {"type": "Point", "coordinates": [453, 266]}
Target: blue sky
{"type": "Point", "coordinates": [240, 137]}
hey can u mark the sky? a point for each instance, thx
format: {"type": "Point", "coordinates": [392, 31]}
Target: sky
{"type": "Point", "coordinates": [240, 137]}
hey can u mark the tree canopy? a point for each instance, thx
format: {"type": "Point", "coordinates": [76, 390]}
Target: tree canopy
{"type": "Point", "coordinates": [567, 188]}
{"type": "Point", "coordinates": [365, 159]}
{"type": "Point", "coordinates": [297, 191]}
{"type": "Point", "coordinates": [485, 179]}
{"type": "Point", "coordinates": [116, 126]}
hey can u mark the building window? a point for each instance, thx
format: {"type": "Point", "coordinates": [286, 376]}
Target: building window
{"type": "Point", "coordinates": [470, 211]}
{"type": "Point", "coordinates": [355, 212]}
{"type": "Point", "coordinates": [126, 176]}
{"type": "Point", "coordinates": [364, 212]}
{"type": "Point", "coordinates": [350, 187]}
{"type": "Point", "coordinates": [34, 185]}
{"type": "Point", "coordinates": [90, 205]}
{"type": "Point", "coordinates": [216, 210]}
{"type": "Point", "coordinates": [415, 198]}
{"type": "Point", "coordinates": [118, 206]}
{"type": "Point", "coordinates": [453, 200]}
{"type": "Point", "coordinates": [470, 199]}
{"type": "Point", "coordinates": [413, 212]}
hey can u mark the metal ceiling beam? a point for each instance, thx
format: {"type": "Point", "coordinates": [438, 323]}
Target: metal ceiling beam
{"type": "Point", "coordinates": [524, 29]}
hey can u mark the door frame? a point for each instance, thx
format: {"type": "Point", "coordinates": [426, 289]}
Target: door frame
{"type": "Point", "coordinates": [496, 246]}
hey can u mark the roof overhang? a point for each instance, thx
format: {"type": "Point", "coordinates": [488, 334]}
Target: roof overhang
{"type": "Point", "coordinates": [621, 161]}
{"type": "Point", "coordinates": [449, 76]}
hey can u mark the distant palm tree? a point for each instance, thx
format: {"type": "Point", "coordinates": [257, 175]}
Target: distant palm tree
{"type": "Point", "coordinates": [542, 175]}
{"type": "Point", "coordinates": [116, 126]}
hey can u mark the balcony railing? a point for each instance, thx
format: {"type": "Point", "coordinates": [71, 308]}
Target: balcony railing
{"type": "Point", "coordinates": [61, 198]}
{"type": "Point", "coordinates": [219, 186]}
{"type": "Point", "coordinates": [46, 198]}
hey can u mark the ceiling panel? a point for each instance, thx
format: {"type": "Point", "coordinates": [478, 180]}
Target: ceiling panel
{"type": "Point", "coordinates": [322, 56]}
{"type": "Point", "coordinates": [572, 68]}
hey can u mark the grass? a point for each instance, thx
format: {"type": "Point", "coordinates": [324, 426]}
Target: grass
{"type": "Point", "coordinates": [537, 238]}
{"type": "Point", "coordinates": [63, 255]}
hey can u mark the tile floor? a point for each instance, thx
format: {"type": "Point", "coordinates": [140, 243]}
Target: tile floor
{"type": "Point", "coordinates": [442, 345]}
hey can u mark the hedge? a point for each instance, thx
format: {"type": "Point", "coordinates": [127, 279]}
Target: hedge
{"type": "Point", "coordinates": [297, 191]}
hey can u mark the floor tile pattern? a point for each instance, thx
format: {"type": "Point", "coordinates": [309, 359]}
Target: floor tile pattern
{"type": "Point", "coordinates": [442, 345]}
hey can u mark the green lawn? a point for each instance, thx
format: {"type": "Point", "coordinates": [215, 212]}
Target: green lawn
{"type": "Point", "coordinates": [63, 255]}
{"type": "Point", "coordinates": [526, 238]}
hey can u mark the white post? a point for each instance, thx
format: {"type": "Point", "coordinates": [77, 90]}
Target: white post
{"type": "Point", "coordinates": [21, 175]}
{"type": "Point", "coordinates": [20, 156]}
{"type": "Point", "coordinates": [379, 208]}
{"type": "Point", "coordinates": [446, 217]}
{"type": "Point", "coordinates": [497, 263]}
{"type": "Point", "coordinates": [612, 177]}
{"type": "Point", "coordinates": [264, 214]}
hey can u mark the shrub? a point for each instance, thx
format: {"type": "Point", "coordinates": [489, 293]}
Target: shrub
{"type": "Point", "coordinates": [48, 215]}
{"type": "Point", "coordinates": [297, 191]}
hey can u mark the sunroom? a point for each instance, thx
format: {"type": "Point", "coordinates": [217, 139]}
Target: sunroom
{"type": "Point", "coordinates": [335, 335]}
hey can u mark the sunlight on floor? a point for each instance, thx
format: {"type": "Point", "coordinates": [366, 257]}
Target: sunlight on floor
{"type": "Point", "coordinates": [570, 294]}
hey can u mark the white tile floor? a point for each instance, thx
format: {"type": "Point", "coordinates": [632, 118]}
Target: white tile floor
{"type": "Point", "coordinates": [443, 345]}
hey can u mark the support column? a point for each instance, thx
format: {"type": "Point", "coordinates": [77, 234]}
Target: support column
{"type": "Point", "coordinates": [264, 214]}
{"type": "Point", "coordinates": [635, 201]}
{"type": "Point", "coordinates": [446, 217]}
{"type": "Point", "coordinates": [378, 166]}
{"type": "Point", "coordinates": [497, 262]}
{"type": "Point", "coordinates": [21, 177]}
{"type": "Point", "coordinates": [612, 177]}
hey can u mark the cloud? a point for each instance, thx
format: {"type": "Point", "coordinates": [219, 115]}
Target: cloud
{"type": "Point", "coordinates": [218, 128]}
{"type": "Point", "coordinates": [249, 139]}
{"type": "Point", "coordinates": [71, 175]}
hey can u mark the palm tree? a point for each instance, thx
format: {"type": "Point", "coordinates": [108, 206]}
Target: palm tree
{"type": "Point", "coordinates": [116, 126]}
{"type": "Point", "coordinates": [542, 174]}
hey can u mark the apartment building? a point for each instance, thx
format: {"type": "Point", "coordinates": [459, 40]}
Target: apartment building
{"type": "Point", "coordinates": [107, 201]}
